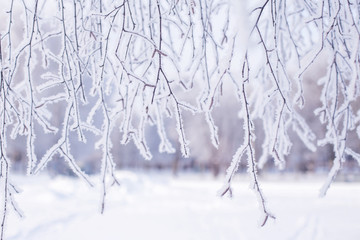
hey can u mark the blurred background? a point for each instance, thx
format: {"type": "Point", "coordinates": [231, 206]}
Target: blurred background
{"type": "Point", "coordinates": [205, 158]}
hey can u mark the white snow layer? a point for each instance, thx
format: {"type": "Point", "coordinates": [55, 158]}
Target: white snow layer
{"type": "Point", "coordinates": [158, 206]}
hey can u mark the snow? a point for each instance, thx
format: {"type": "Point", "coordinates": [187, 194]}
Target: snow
{"type": "Point", "coordinates": [159, 206]}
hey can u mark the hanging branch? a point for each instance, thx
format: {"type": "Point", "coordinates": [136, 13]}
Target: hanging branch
{"type": "Point", "coordinates": [4, 162]}
{"type": "Point", "coordinates": [119, 66]}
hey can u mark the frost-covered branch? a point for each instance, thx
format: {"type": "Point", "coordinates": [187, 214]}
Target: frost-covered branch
{"type": "Point", "coordinates": [83, 72]}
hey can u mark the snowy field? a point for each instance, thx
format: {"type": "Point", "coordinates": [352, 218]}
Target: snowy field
{"type": "Point", "coordinates": [158, 206]}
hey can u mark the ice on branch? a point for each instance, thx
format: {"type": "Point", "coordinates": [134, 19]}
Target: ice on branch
{"type": "Point", "coordinates": [97, 74]}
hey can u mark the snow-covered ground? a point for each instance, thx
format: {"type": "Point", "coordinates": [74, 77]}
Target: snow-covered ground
{"type": "Point", "coordinates": [158, 206]}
